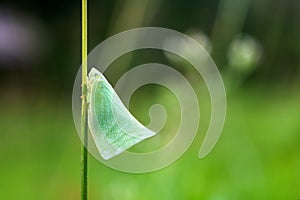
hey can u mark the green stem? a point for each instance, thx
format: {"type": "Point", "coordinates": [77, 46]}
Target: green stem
{"type": "Point", "coordinates": [84, 122]}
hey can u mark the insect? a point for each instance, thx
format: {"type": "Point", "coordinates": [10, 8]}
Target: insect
{"type": "Point", "coordinates": [113, 128]}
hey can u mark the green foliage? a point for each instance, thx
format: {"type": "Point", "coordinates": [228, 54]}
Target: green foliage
{"type": "Point", "coordinates": [257, 156]}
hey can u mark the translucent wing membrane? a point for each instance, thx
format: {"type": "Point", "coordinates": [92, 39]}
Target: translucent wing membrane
{"type": "Point", "coordinates": [112, 126]}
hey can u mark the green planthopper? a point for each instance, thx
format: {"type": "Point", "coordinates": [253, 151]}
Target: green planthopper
{"type": "Point", "coordinates": [113, 128]}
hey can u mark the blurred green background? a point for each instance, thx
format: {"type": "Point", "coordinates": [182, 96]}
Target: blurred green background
{"type": "Point", "coordinates": [255, 44]}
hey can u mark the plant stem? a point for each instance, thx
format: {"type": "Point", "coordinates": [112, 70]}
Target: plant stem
{"type": "Point", "coordinates": [84, 122]}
